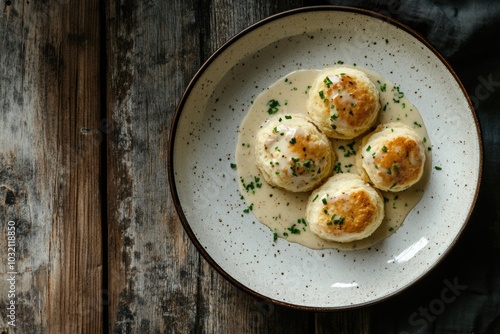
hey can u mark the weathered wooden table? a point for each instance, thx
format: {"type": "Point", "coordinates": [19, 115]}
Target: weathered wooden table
{"type": "Point", "coordinates": [88, 89]}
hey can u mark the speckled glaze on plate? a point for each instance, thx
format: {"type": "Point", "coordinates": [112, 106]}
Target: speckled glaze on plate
{"type": "Point", "coordinates": [203, 141]}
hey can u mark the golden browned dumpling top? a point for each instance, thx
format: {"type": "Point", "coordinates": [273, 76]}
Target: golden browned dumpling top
{"type": "Point", "coordinates": [345, 209]}
{"type": "Point", "coordinates": [292, 153]}
{"type": "Point", "coordinates": [343, 102]}
{"type": "Point", "coordinates": [392, 158]}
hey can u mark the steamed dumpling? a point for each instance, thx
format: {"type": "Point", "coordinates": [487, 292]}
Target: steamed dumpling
{"type": "Point", "coordinates": [293, 154]}
{"type": "Point", "coordinates": [345, 209]}
{"type": "Point", "coordinates": [343, 102]}
{"type": "Point", "coordinates": [392, 157]}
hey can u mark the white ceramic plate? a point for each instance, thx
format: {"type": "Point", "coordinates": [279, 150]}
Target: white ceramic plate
{"type": "Point", "coordinates": [203, 141]}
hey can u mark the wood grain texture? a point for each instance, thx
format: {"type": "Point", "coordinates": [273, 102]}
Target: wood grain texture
{"type": "Point", "coordinates": [49, 164]}
{"type": "Point", "coordinates": [152, 265]}
{"type": "Point", "coordinates": [343, 322]}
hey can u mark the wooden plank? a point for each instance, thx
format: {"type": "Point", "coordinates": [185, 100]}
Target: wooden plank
{"type": "Point", "coordinates": [344, 322]}
{"type": "Point", "coordinates": [49, 165]}
{"type": "Point", "coordinates": [152, 265]}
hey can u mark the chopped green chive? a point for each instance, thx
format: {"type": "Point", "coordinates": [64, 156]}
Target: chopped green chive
{"type": "Point", "coordinates": [328, 82]}
{"type": "Point", "coordinates": [250, 208]}
{"type": "Point", "coordinates": [338, 221]}
{"type": "Point", "coordinates": [293, 229]}
{"type": "Point", "coordinates": [273, 106]}
{"type": "Point", "coordinates": [338, 168]}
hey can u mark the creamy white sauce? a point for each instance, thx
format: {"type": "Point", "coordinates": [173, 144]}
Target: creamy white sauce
{"type": "Point", "coordinates": [284, 212]}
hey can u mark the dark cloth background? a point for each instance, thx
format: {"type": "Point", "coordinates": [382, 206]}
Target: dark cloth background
{"type": "Point", "coordinates": [461, 295]}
